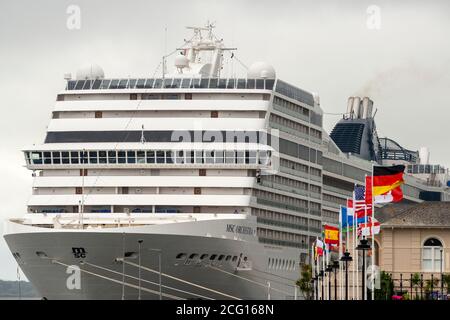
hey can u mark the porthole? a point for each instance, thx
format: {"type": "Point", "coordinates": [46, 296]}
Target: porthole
{"type": "Point", "coordinates": [193, 256]}
{"type": "Point", "coordinates": [181, 256]}
{"type": "Point", "coordinates": [228, 258]}
{"type": "Point", "coordinates": [213, 257]}
{"type": "Point", "coordinates": [234, 258]}
{"type": "Point", "coordinates": [221, 257]}
{"type": "Point", "coordinates": [203, 256]}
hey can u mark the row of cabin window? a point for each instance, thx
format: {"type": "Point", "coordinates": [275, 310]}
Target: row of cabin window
{"type": "Point", "coordinates": [196, 256]}
{"type": "Point", "coordinates": [151, 157]}
{"type": "Point", "coordinates": [278, 264]}
{"type": "Point", "coordinates": [203, 83]}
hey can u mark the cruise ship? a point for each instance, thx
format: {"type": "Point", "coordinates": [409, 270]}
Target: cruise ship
{"type": "Point", "coordinates": [193, 185]}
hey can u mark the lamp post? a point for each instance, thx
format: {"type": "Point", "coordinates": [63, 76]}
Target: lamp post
{"type": "Point", "coordinates": [442, 275]}
{"type": "Point", "coordinates": [316, 286]}
{"type": "Point", "coordinates": [329, 269]}
{"type": "Point", "coordinates": [335, 266]}
{"type": "Point", "coordinates": [322, 275]}
{"type": "Point", "coordinates": [363, 246]}
{"type": "Point", "coordinates": [346, 258]}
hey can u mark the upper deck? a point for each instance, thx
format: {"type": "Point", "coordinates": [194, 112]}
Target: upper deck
{"type": "Point", "coordinates": [171, 83]}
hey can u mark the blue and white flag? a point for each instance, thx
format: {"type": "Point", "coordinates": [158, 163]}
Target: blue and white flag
{"type": "Point", "coordinates": [347, 218]}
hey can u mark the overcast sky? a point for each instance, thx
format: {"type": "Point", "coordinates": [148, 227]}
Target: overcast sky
{"type": "Point", "coordinates": [326, 48]}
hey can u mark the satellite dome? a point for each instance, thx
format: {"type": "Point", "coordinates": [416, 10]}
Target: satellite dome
{"type": "Point", "coordinates": [181, 61]}
{"type": "Point", "coordinates": [90, 72]}
{"type": "Point", "coordinates": [261, 70]}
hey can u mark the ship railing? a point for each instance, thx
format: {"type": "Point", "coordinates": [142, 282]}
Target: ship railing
{"type": "Point", "coordinates": [171, 83]}
{"type": "Point", "coordinates": [113, 220]}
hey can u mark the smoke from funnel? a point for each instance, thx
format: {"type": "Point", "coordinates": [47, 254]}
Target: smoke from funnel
{"type": "Point", "coordinates": [389, 81]}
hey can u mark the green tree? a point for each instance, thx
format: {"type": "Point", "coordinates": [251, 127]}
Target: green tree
{"type": "Point", "coordinates": [304, 283]}
{"type": "Point", "coordinates": [446, 279]}
{"type": "Point", "coordinates": [386, 287]}
{"type": "Point", "coordinates": [430, 286]}
{"type": "Point", "coordinates": [415, 280]}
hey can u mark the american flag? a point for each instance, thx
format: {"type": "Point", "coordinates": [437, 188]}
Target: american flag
{"type": "Point", "coordinates": [360, 202]}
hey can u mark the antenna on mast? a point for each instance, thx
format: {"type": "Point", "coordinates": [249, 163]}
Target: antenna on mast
{"type": "Point", "coordinates": [165, 54]}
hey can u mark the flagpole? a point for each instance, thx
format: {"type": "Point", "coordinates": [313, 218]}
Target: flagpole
{"type": "Point", "coordinates": [324, 266]}
{"type": "Point", "coordinates": [347, 242]}
{"type": "Point", "coordinates": [323, 274]}
{"type": "Point", "coordinates": [355, 253]}
{"type": "Point", "coordinates": [340, 246]}
{"type": "Point", "coordinates": [373, 237]}
{"type": "Point", "coordinates": [313, 262]}
{"type": "Point", "coordinates": [353, 247]}
{"type": "Point", "coordinates": [318, 271]}
{"type": "Point", "coordinates": [329, 275]}
{"type": "Point", "coordinates": [365, 221]}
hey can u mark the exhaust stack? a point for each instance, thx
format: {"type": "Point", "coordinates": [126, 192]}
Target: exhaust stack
{"type": "Point", "coordinates": [360, 108]}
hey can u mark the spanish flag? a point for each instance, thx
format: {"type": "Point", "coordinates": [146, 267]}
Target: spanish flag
{"type": "Point", "coordinates": [331, 235]}
{"type": "Point", "coordinates": [387, 179]}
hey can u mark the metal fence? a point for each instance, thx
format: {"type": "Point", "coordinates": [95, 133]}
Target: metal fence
{"type": "Point", "coordinates": [393, 286]}
{"type": "Point", "coordinates": [421, 286]}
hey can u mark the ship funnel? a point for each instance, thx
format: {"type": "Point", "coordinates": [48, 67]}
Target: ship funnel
{"type": "Point", "coordinates": [367, 106]}
{"type": "Point", "coordinates": [350, 107]}
{"type": "Point", "coordinates": [357, 107]}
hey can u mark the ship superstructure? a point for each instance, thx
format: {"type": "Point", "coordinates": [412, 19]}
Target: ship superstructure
{"type": "Point", "coordinates": [186, 186]}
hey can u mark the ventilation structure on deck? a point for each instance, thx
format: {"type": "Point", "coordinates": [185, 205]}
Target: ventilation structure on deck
{"type": "Point", "coordinates": [348, 136]}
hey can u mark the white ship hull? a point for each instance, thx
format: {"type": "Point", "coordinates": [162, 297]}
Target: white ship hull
{"type": "Point", "coordinates": [46, 255]}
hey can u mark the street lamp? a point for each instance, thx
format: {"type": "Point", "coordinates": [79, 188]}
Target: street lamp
{"type": "Point", "coordinates": [442, 275]}
{"type": "Point", "coordinates": [322, 275]}
{"type": "Point", "coordinates": [346, 258]}
{"type": "Point", "coordinates": [329, 269]}
{"type": "Point", "coordinates": [316, 286]}
{"type": "Point", "coordinates": [335, 266]}
{"type": "Point", "coordinates": [363, 246]}
{"type": "Point", "coordinates": [313, 285]}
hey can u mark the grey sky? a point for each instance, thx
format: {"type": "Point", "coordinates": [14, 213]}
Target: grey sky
{"type": "Point", "coordinates": [325, 48]}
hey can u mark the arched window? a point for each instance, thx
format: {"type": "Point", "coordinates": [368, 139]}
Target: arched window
{"type": "Point", "coordinates": [432, 255]}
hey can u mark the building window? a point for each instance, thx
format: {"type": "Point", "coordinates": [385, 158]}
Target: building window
{"type": "Point", "coordinates": [432, 252]}
{"type": "Point", "coordinates": [98, 114]}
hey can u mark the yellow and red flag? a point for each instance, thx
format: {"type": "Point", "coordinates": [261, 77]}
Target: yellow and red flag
{"type": "Point", "coordinates": [331, 235]}
{"type": "Point", "coordinates": [387, 183]}
{"type": "Point", "coordinates": [386, 179]}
